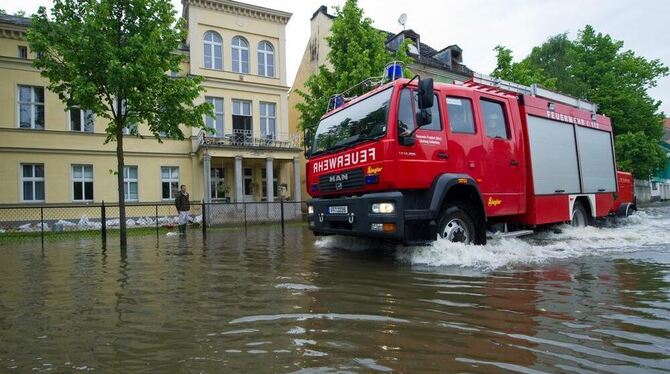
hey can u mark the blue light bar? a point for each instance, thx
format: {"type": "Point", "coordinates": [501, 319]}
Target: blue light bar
{"type": "Point", "coordinates": [372, 179]}
{"type": "Point", "coordinates": [335, 102]}
{"type": "Point", "coordinates": [315, 187]}
{"type": "Point", "coordinates": [394, 71]}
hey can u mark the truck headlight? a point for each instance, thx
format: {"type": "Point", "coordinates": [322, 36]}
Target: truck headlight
{"type": "Point", "coordinates": [310, 209]}
{"type": "Point", "coordinates": [383, 208]}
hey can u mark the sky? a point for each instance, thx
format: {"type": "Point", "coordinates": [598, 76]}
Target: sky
{"type": "Point", "coordinates": [477, 26]}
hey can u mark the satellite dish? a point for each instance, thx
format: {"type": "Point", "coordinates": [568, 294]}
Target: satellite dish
{"type": "Point", "coordinates": [402, 19]}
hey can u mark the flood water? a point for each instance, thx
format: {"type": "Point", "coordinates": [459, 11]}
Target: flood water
{"type": "Point", "coordinates": [584, 300]}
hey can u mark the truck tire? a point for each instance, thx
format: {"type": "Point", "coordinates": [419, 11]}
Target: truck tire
{"type": "Point", "coordinates": [457, 226]}
{"type": "Point", "coordinates": [580, 217]}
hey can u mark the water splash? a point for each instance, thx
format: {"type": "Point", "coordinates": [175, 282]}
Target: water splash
{"type": "Point", "coordinates": [636, 233]}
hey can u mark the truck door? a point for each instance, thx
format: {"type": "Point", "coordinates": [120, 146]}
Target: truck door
{"type": "Point", "coordinates": [464, 138]}
{"type": "Point", "coordinates": [421, 161]}
{"type": "Point", "coordinates": [501, 183]}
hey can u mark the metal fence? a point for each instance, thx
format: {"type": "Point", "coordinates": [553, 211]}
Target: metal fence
{"type": "Point", "coordinates": [56, 222]}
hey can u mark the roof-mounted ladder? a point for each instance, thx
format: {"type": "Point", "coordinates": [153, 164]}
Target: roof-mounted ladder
{"type": "Point", "coordinates": [533, 90]}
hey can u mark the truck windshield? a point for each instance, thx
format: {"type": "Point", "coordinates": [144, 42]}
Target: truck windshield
{"type": "Point", "coordinates": [362, 121]}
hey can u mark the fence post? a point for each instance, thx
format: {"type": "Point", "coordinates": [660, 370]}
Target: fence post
{"type": "Point", "coordinates": [42, 225]}
{"type": "Point", "coordinates": [103, 225]}
{"type": "Point", "coordinates": [157, 236]}
{"type": "Point", "coordinates": [203, 220]}
{"type": "Point", "coordinates": [244, 204]}
{"type": "Point", "coordinates": [281, 204]}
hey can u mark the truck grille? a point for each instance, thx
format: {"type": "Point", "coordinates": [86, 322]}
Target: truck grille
{"type": "Point", "coordinates": [345, 180]}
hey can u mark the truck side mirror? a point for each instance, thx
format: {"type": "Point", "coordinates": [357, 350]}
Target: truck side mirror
{"type": "Point", "coordinates": [426, 93]}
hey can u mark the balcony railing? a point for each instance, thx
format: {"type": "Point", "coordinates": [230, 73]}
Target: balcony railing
{"type": "Point", "coordinates": [246, 139]}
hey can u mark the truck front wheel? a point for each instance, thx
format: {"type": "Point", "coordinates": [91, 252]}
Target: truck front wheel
{"type": "Point", "coordinates": [457, 226]}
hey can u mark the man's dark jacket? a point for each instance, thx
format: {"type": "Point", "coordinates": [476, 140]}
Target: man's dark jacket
{"type": "Point", "coordinates": [182, 203]}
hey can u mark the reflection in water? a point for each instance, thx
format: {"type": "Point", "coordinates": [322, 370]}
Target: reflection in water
{"type": "Point", "coordinates": [594, 300]}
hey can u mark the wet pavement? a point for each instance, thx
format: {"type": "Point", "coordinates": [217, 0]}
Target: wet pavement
{"type": "Point", "coordinates": [584, 300]}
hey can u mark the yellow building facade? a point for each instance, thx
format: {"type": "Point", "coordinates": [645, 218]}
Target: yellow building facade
{"type": "Point", "coordinates": [52, 156]}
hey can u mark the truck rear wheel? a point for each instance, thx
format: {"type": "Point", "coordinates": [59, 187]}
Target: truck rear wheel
{"type": "Point", "coordinates": [457, 226]}
{"type": "Point", "coordinates": [580, 217]}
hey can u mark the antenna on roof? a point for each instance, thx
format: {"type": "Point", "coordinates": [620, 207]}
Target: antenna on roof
{"type": "Point", "coordinates": [402, 19]}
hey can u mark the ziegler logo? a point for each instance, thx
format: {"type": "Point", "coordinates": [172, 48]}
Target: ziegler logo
{"type": "Point", "coordinates": [338, 178]}
{"type": "Point", "coordinates": [493, 202]}
{"type": "Point", "coordinates": [374, 171]}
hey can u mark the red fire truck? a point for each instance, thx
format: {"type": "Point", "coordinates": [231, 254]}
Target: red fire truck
{"type": "Point", "coordinates": [411, 160]}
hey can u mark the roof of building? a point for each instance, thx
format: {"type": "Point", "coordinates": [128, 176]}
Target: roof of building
{"type": "Point", "coordinates": [323, 10]}
{"type": "Point", "coordinates": [15, 20]}
{"type": "Point", "coordinates": [426, 52]}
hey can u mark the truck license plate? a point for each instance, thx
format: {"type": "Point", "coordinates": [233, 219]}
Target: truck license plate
{"type": "Point", "coordinates": [342, 209]}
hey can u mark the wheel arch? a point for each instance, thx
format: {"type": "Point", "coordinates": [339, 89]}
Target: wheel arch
{"type": "Point", "coordinates": [449, 188]}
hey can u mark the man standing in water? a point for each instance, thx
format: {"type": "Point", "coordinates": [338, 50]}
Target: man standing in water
{"type": "Point", "coordinates": [183, 206]}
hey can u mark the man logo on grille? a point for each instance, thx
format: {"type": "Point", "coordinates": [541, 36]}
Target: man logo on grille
{"type": "Point", "coordinates": [338, 178]}
{"type": "Point", "coordinates": [338, 186]}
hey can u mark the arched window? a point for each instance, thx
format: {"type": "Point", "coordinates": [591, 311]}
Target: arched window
{"type": "Point", "coordinates": [213, 50]}
{"type": "Point", "coordinates": [266, 59]}
{"type": "Point", "coordinates": [240, 55]}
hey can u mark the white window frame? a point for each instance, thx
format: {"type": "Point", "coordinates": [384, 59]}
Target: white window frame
{"type": "Point", "coordinates": [170, 179]}
{"type": "Point", "coordinates": [212, 45]}
{"type": "Point", "coordinates": [264, 181]}
{"type": "Point", "coordinates": [263, 57]}
{"type": "Point", "coordinates": [82, 119]}
{"type": "Point", "coordinates": [22, 52]}
{"type": "Point", "coordinates": [83, 180]}
{"type": "Point", "coordinates": [265, 119]}
{"type": "Point", "coordinates": [249, 178]}
{"type": "Point", "coordinates": [124, 106]}
{"type": "Point", "coordinates": [215, 180]}
{"type": "Point", "coordinates": [33, 180]}
{"type": "Point", "coordinates": [238, 107]}
{"type": "Point", "coordinates": [127, 181]}
{"type": "Point", "coordinates": [126, 130]}
{"type": "Point", "coordinates": [33, 107]}
{"type": "Point", "coordinates": [214, 120]}
{"type": "Point", "coordinates": [238, 45]}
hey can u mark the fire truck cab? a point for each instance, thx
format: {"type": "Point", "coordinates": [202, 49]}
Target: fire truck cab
{"type": "Point", "coordinates": [411, 160]}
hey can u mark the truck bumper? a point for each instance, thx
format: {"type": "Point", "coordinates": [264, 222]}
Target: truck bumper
{"type": "Point", "coordinates": [353, 216]}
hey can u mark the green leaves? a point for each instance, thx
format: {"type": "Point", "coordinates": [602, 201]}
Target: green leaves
{"type": "Point", "coordinates": [357, 52]}
{"type": "Point", "coordinates": [595, 67]}
{"type": "Point", "coordinates": [94, 52]}
{"type": "Point", "coordinates": [639, 154]}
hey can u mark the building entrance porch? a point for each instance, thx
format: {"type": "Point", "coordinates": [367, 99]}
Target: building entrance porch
{"type": "Point", "coordinates": [250, 179]}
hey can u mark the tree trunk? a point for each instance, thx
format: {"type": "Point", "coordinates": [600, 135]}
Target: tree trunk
{"type": "Point", "coordinates": [119, 178]}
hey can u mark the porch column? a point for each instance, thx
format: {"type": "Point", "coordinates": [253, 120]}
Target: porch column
{"type": "Point", "coordinates": [206, 165]}
{"type": "Point", "coordinates": [269, 177]}
{"type": "Point", "coordinates": [297, 188]}
{"type": "Point", "coordinates": [239, 186]}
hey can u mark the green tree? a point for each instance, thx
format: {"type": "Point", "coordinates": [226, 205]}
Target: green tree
{"type": "Point", "coordinates": [357, 52]}
{"type": "Point", "coordinates": [519, 72]}
{"type": "Point", "coordinates": [595, 67]}
{"type": "Point", "coordinates": [112, 57]}
{"type": "Point", "coordinates": [638, 153]}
